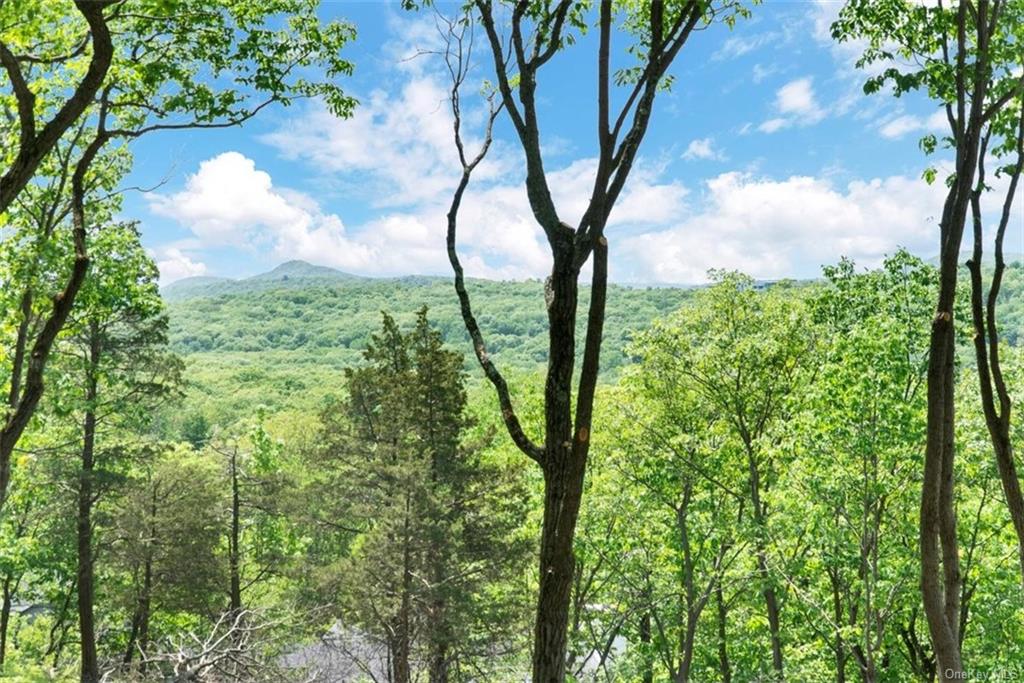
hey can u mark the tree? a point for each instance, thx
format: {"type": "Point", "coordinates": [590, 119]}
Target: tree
{"type": "Point", "coordinates": [995, 396]}
{"type": "Point", "coordinates": [537, 32]}
{"type": "Point", "coordinates": [119, 339]}
{"type": "Point", "coordinates": [41, 35]}
{"type": "Point", "coordinates": [260, 538]}
{"type": "Point", "coordinates": [677, 489]}
{"type": "Point", "coordinates": [866, 409]}
{"type": "Point", "coordinates": [167, 73]}
{"type": "Point", "coordinates": [432, 523]}
{"type": "Point", "coordinates": [965, 57]}
{"type": "Point", "coordinates": [167, 531]}
{"type": "Point", "coordinates": [745, 352]}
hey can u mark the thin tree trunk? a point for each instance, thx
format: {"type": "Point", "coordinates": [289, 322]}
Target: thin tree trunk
{"type": "Point", "coordinates": [940, 569]}
{"type": "Point", "coordinates": [839, 646]}
{"type": "Point", "coordinates": [403, 628]}
{"type": "Point", "coordinates": [724, 668]}
{"type": "Point", "coordinates": [645, 642]}
{"type": "Point", "coordinates": [234, 551]}
{"type": "Point", "coordinates": [770, 598]}
{"type": "Point", "coordinates": [139, 637]}
{"type": "Point", "coordinates": [563, 475]}
{"type": "Point", "coordinates": [31, 389]}
{"type": "Point", "coordinates": [5, 617]}
{"type": "Point", "coordinates": [561, 506]}
{"type": "Point", "coordinates": [90, 671]}
{"type": "Point", "coordinates": [996, 401]}
{"type": "Point", "coordinates": [686, 661]}
{"type": "Point", "coordinates": [566, 439]}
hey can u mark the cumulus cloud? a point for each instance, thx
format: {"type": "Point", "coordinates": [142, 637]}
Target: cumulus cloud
{"type": "Point", "coordinates": [703, 148]}
{"type": "Point", "coordinates": [397, 145]}
{"type": "Point", "coordinates": [174, 264]}
{"type": "Point", "coordinates": [231, 202]}
{"type": "Point", "coordinates": [796, 103]}
{"type": "Point", "coordinates": [779, 228]}
{"type": "Point", "coordinates": [902, 125]}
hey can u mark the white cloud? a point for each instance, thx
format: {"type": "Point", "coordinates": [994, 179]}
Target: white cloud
{"type": "Point", "coordinates": [173, 265]}
{"type": "Point", "coordinates": [737, 46]}
{"type": "Point", "coordinates": [761, 72]}
{"type": "Point", "coordinates": [797, 97]}
{"type": "Point", "coordinates": [230, 202]}
{"type": "Point", "coordinates": [398, 147]}
{"type": "Point", "coordinates": [773, 125]}
{"type": "Point", "coordinates": [703, 148]}
{"type": "Point", "coordinates": [796, 103]}
{"type": "Point", "coordinates": [780, 228]}
{"type": "Point", "coordinates": [901, 125]}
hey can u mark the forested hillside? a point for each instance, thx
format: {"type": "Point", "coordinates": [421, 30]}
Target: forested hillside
{"type": "Point", "coordinates": [302, 307]}
{"type": "Point", "coordinates": [282, 338]}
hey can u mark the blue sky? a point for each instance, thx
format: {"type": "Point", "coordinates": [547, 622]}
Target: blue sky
{"type": "Point", "coordinates": [765, 157]}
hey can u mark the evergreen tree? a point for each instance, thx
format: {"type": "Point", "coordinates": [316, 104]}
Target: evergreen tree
{"type": "Point", "coordinates": [433, 523]}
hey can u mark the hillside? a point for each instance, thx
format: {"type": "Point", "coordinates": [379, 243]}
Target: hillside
{"type": "Point", "coordinates": [283, 337]}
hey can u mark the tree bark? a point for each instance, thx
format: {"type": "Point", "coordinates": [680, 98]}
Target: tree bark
{"type": "Point", "coordinates": [940, 569]}
{"type": "Point", "coordinates": [645, 641]}
{"type": "Point", "coordinates": [997, 404]}
{"type": "Point", "coordinates": [5, 617]}
{"type": "Point", "coordinates": [234, 541]}
{"type": "Point", "coordinates": [35, 145]}
{"type": "Point", "coordinates": [402, 649]}
{"type": "Point", "coordinates": [90, 671]}
{"type": "Point", "coordinates": [18, 416]}
{"type": "Point", "coordinates": [139, 636]}
{"type": "Point", "coordinates": [724, 668]}
{"type": "Point", "coordinates": [770, 598]}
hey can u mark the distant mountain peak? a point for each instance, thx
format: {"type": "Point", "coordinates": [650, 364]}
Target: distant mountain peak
{"type": "Point", "coordinates": [304, 270]}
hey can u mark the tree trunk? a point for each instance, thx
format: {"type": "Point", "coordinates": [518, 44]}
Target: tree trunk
{"type": "Point", "coordinates": [686, 659]}
{"type": "Point", "coordinates": [724, 668]}
{"type": "Point", "coordinates": [997, 404]}
{"type": "Point", "coordinates": [139, 636]}
{"type": "Point", "coordinates": [561, 506]}
{"type": "Point", "coordinates": [439, 664]}
{"type": "Point", "coordinates": [5, 617]}
{"type": "Point", "coordinates": [403, 627]}
{"type": "Point", "coordinates": [938, 540]}
{"type": "Point", "coordinates": [234, 559]}
{"type": "Point", "coordinates": [90, 671]}
{"type": "Point", "coordinates": [645, 641]}
{"type": "Point", "coordinates": [940, 568]}
{"type": "Point", "coordinates": [770, 599]}
{"type": "Point", "coordinates": [564, 468]}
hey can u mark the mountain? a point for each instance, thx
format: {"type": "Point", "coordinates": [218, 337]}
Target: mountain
{"type": "Point", "coordinates": [282, 338]}
{"type": "Point", "coordinates": [303, 271]}
{"type": "Point", "coordinates": [288, 274]}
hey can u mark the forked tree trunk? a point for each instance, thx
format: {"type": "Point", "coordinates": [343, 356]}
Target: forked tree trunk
{"type": "Point", "coordinates": [566, 442]}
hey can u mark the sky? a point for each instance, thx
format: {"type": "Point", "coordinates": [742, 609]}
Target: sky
{"type": "Point", "coordinates": [764, 156]}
